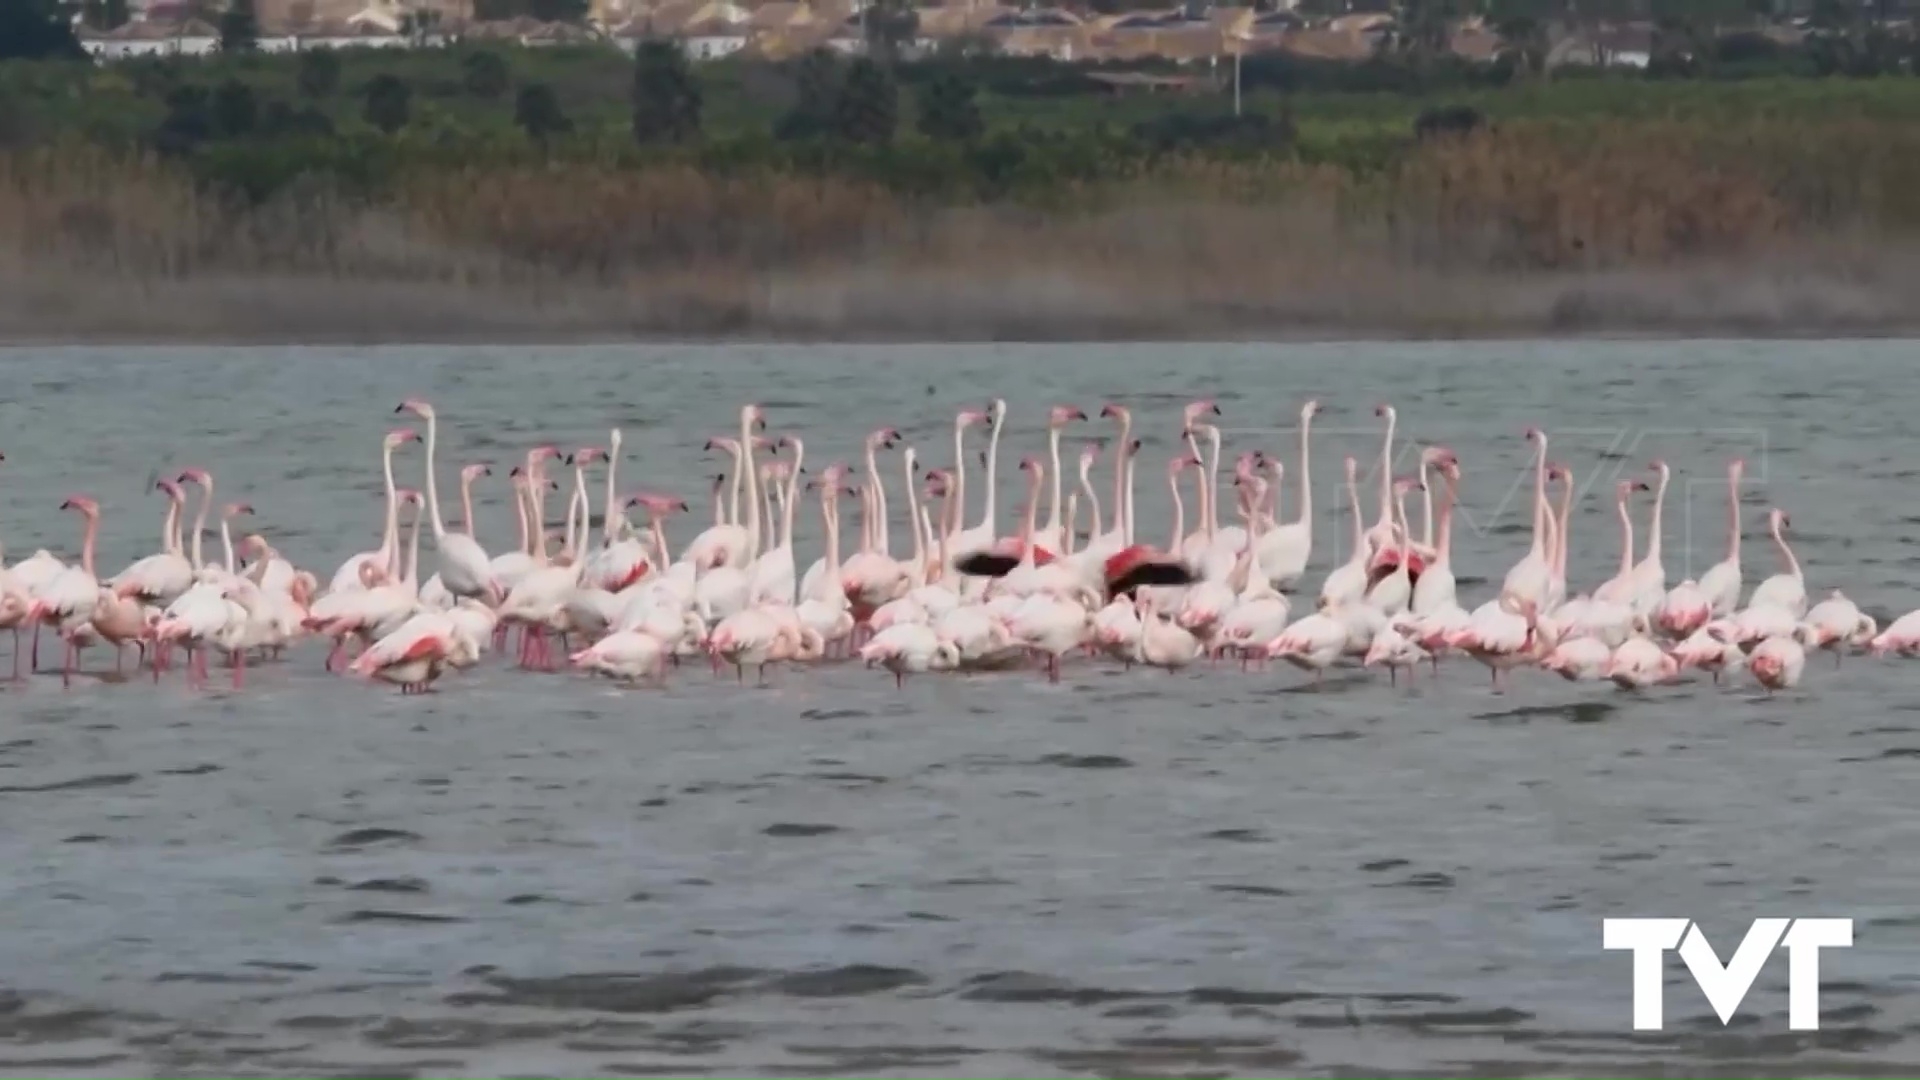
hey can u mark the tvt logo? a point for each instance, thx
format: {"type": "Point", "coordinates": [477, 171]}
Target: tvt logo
{"type": "Point", "coordinates": [1726, 985]}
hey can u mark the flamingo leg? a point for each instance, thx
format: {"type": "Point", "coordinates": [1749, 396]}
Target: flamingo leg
{"type": "Point", "coordinates": [239, 668]}
{"type": "Point", "coordinates": [33, 664]}
{"type": "Point", "coordinates": [66, 667]}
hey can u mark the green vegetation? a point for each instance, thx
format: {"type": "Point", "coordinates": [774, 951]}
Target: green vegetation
{"type": "Point", "coordinates": [582, 164]}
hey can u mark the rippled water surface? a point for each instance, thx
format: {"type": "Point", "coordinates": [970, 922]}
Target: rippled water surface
{"type": "Point", "coordinates": [1130, 874]}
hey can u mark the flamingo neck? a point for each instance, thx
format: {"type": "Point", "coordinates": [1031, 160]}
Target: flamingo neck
{"type": "Point", "coordinates": [959, 471]}
{"type": "Point", "coordinates": [87, 536]}
{"type": "Point", "coordinates": [537, 502]}
{"type": "Point", "coordinates": [1654, 529]}
{"type": "Point", "coordinates": [411, 577]}
{"type": "Point", "coordinates": [1733, 515]}
{"type": "Point", "coordinates": [612, 525]}
{"type": "Point", "coordinates": [915, 515]}
{"type": "Point", "coordinates": [882, 534]}
{"type": "Point", "coordinates": [1786, 553]}
{"type": "Point", "coordinates": [1540, 512]}
{"type": "Point", "coordinates": [1426, 501]}
{"type": "Point", "coordinates": [433, 487]}
{"type": "Point", "coordinates": [1443, 555]}
{"type": "Point", "coordinates": [200, 520]}
{"type": "Point", "coordinates": [739, 469]}
{"type": "Point", "coordinates": [659, 532]}
{"type": "Point", "coordinates": [1179, 515]}
{"type": "Point", "coordinates": [520, 496]}
{"type": "Point", "coordinates": [753, 487]}
{"type": "Point", "coordinates": [466, 504]}
{"type": "Point", "coordinates": [1306, 474]}
{"type": "Point", "coordinates": [1359, 522]}
{"type": "Point", "coordinates": [1093, 499]}
{"type": "Point", "coordinates": [832, 523]}
{"type": "Point", "coordinates": [1386, 470]}
{"type": "Point", "coordinates": [792, 498]}
{"type": "Point", "coordinates": [170, 527]}
{"type": "Point", "coordinates": [1626, 537]}
{"type": "Point", "coordinates": [1053, 462]}
{"type": "Point", "coordinates": [989, 510]}
{"type": "Point", "coordinates": [1122, 461]}
{"type": "Point", "coordinates": [1564, 530]}
{"type": "Point", "coordinates": [869, 516]}
{"type": "Point", "coordinates": [1213, 481]}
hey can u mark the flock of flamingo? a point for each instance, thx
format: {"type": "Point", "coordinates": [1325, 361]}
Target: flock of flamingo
{"type": "Point", "coordinates": [967, 598]}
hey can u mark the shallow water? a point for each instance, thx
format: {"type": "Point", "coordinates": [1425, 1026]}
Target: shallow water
{"type": "Point", "coordinates": [1130, 874]}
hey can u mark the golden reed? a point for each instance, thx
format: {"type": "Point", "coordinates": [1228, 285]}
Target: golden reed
{"type": "Point", "coordinates": [1768, 226]}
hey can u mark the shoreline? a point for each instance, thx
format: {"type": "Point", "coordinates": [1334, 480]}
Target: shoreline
{"type": "Point", "coordinates": [587, 338]}
{"type": "Point", "coordinates": [77, 310]}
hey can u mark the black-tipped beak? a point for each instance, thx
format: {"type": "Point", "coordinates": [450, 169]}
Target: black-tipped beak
{"type": "Point", "coordinates": [68, 505]}
{"type": "Point", "coordinates": [569, 459]}
{"type": "Point", "coordinates": [1214, 409]}
{"type": "Point", "coordinates": [400, 408]}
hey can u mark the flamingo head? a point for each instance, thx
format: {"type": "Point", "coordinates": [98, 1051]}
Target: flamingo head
{"type": "Point", "coordinates": [235, 509]}
{"type": "Point", "coordinates": [542, 453]}
{"type": "Point", "coordinates": [1658, 466]}
{"type": "Point", "coordinates": [997, 411]}
{"type": "Point", "coordinates": [1031, 466]}
{"type": "Point", "coordinates": [1438, 457]}
{"type": "Point", "coordinates": [1091, 452]}
{"type": "Point", "coordinates": [722, 442]}
{"type": "Point", "coordinates": [1779, 518]}
{"type": "Point", "coordinates": [1193, 412]}
{"type": "Point", "coordinates": [1353, 468]}
{"type": "Point", "coordinates": [416, 406]}
{"type": "Point", "coordinates": [1310, 410]}
{"type": "Point", "coordinates": [1558, 471]}
{"type": "Point", "coordinates": [1061, 415]}
{"type": "Point", "coordinates": [939, 481]}
{"type": "Point", "coordinates": [1384, 411]}
{"type": "Point", "coordinates": [408, 497]}
{"type": "Point", "coordinates": [884, 438]}
{"type": "Point", "coordinates": [475, 471]}
{"type": "Point", "coordinates": [966, 418]}
{"type": "Point", "coordinates": [1737, 467]}
{"type": "Point", "coordinates": [1117, 412]}
{"type": "Point", "coordinates": [257, 544]}
{"type": "Point", "coordinates": [658, 505]}
{"type": "Point", "coordinates": [587, 455]}
{"type": "Point", "coordinates": [1534, 434]}
{"type": "Point", "coordinates": [399, 437]}
{"type": "Point", "coordinates": [753, 417]}
{"type": "Point", "coordinates": [1181, 463]}
{"type": "Point", "coordinates": [172, 488]}
{"type": "Point", "coordinates": [1407, 483]}
{"type": "Point", "coordinates": [1625, 489]}
{"type": "Point", "coordinates": [86, 506]}
{"type": "Point", "coordinates": [195, 476]}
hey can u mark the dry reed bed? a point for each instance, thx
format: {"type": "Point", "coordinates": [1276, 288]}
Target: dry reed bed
{"type": "Point", "coordinates": [1532, 228]}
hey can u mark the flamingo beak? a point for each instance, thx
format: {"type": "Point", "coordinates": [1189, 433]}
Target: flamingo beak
{"type": "Point", "coordinates": [67, 505]}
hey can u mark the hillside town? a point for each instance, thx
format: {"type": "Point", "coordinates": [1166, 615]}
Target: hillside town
{"type": "Point", "coordinates": [779, 29]}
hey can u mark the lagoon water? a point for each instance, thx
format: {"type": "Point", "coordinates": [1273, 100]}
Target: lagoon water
{"type": "Point", "coordinates": [1214, 873]}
